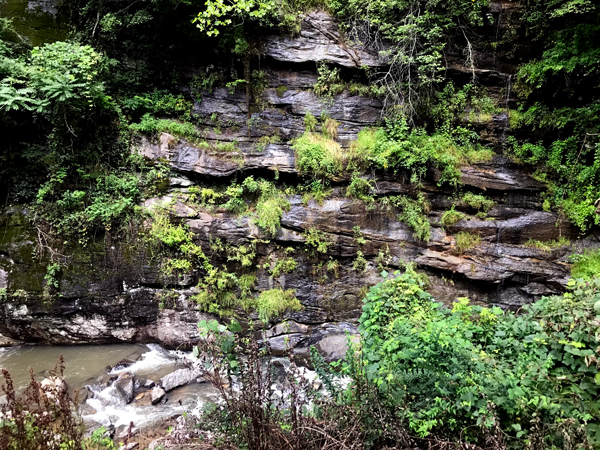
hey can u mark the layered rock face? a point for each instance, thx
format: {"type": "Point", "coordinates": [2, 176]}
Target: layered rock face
{"type": "Point", "coordinates": [110, 296]}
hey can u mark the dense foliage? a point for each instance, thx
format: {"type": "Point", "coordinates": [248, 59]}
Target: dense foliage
{"type": "Point", "coordinates": [560, 110]}
{"type": "Point", "coordinates": [535, 374]}
{"type": "Point", "coordinates": [426, 374]}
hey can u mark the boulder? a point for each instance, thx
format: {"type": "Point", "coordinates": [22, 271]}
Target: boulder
{"type": "Point", "coordinates": [123, 364]}
{"type": "Point", "coordinates": [334, 347]}
{"type": "Point", "coordinates": [124, 387]}
{"type": "Point", "coordinates": [83, 394]}
{"type": "Point", "coordinates": [53, 387]}
{"type": "Point", "coordinates": [157, 394]}
{"type": "Point", "coordinates": [178, 378]}
{"type": "Point", "coordinates": [143, 399]}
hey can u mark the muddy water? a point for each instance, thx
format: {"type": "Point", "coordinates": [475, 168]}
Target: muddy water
{"type": "Point", "coordinates": [82, 363]}
{"type": "Point", "coordinates": [37, 20]}
{"type": "Point", "coordinates": [86, 366]}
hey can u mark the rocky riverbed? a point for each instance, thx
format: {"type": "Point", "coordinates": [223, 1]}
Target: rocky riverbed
{"type": "Point", "coordinates": [116, 385]}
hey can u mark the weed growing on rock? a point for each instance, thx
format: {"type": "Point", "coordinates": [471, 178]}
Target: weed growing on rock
{"type": "Point", "coordinates": [477, 202]}
{"type": "Point", "coordinates": [413, 213]}
{"type": "Point", "coordinates": [451, 217]}
{"type": "Point", "coordinates": [316, 242]}
{"type": "Point", "coordinates": [465, 240]}
{"type": "Point", "coordinates": [286, 265]}
{"type": "Point", "coordinates": [360, 188]}
{"type": "Point", "coordinates": [270, 207]}
{"type": "Point", "coordinates": [548, 245]}
{"type": "Point", "coordinates": [360, 263]}
{"type": "Point", "coordinates": [274, 302]}
{"type": "Point", "coordinates": [318, 190]}
{"type": "Point", "coordinates": [586, 265]}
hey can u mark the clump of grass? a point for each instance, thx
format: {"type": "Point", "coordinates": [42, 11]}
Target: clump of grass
{"type": "Point", "coordinates": [318, 155]}
{"type": "Point", "coordinates": [152, 125]}
{"type": "Point", "coordinates": [270, 207]}
{"type": "Point", "coordinates": [274, 302]}
{"type": "Point", "coordinates": [330, 128]}
{"type": "Point", "coordinates": [360, 189]}
{"type": "Point", "coordinates": [587, 265]}
{"type": "Point", "coordinates": [361, 148]}
{"type": "Point", "coordinates": [286, 265]}
{"type": "Point", "coordinates": [465, 240]}
{"type": "Point", "coordinates": [226, 146]}
{"type": "Point", "coordinates": [478, 202]}
{"type": "Point", "coordinates": [451, 217]}
{"type": "Point", "coordinates": [548, 245]}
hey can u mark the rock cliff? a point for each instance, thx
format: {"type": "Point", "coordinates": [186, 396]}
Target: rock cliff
{"type": "Point", "coordinates": [110, 295]}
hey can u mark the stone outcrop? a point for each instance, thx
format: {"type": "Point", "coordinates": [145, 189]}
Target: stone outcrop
{"type": "Point", "coordinates": [175, 379]}
{"type": "Point", "coordinates": [157, 395]}
{"type": "Point", "coordinates": [112, 294]}
{"type": "Point", "coordinates": [319, 40]}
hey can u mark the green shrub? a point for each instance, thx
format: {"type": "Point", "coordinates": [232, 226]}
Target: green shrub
{"type": "Point", "coordinates": [477, 202]}
{"type": "Point", "coordinates": [286, 265]}
{"type": "Point", "coordinates": [358, 236]}
{"type": "Point", "coordinates": [329, 82]}
{"type": "Point", "coordinates": [317, 189]}
{"type": "Point", "coordinates": [451, 217]}
{"type": "Point", "coordinates": [362, 147]}
{"type": "Point", "coordinates": [360, 189]}
{"type": "Point", "coordinates": [163, 231]}
{"type": "Point", "coordinates": [397, 147]}
{"type": "Point", "coordinates": [159, 103]}
{"type": "Point", "coordinates": [218, 292]}
{"type": "Point", "coordinates": [318, 155]}
{"type": "Point", "coordinates": [413, 213]}
{"type": "Point", "coordinates": [586, 265]}
{"type": "Point", "coordinates": [467, 370]}
{"type": "Point", "coordinates": [274, 302]}
{"type": "Point", "coordinates": [316, 241]}
{"type": "Point", "coordinates": [360, 263]}
{"type": "Point", "coordinates": [152, 125]}
{"type": "Point", "coordinates": [310, 122]}
{"type": "Point", "coordinates": [465, 240]}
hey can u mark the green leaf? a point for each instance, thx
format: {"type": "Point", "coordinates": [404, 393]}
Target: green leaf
{"type": "Point", "coordinates": [213, 325]}
{"type": "Point", "coordinates": [235, 326]}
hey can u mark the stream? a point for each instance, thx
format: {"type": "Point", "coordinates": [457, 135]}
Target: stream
{"type": "Point", "coordinates": [86, 369]}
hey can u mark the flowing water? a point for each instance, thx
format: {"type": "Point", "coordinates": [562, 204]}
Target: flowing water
{"type": "Point", "coordinates": [86, 366]}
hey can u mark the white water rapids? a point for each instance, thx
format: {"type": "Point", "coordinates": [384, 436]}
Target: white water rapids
{"type": "Point", "coordinates": [85, 367]}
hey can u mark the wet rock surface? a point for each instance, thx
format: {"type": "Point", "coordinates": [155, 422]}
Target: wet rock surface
{"type": "Point", "coordinates": [110, 294]}
{"type": "Point", "coordinates": [176, 379]}
{"type": "Point", "coordinates": [124, 387]}
{"type": "Point", "coordinates": [319, 40]}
